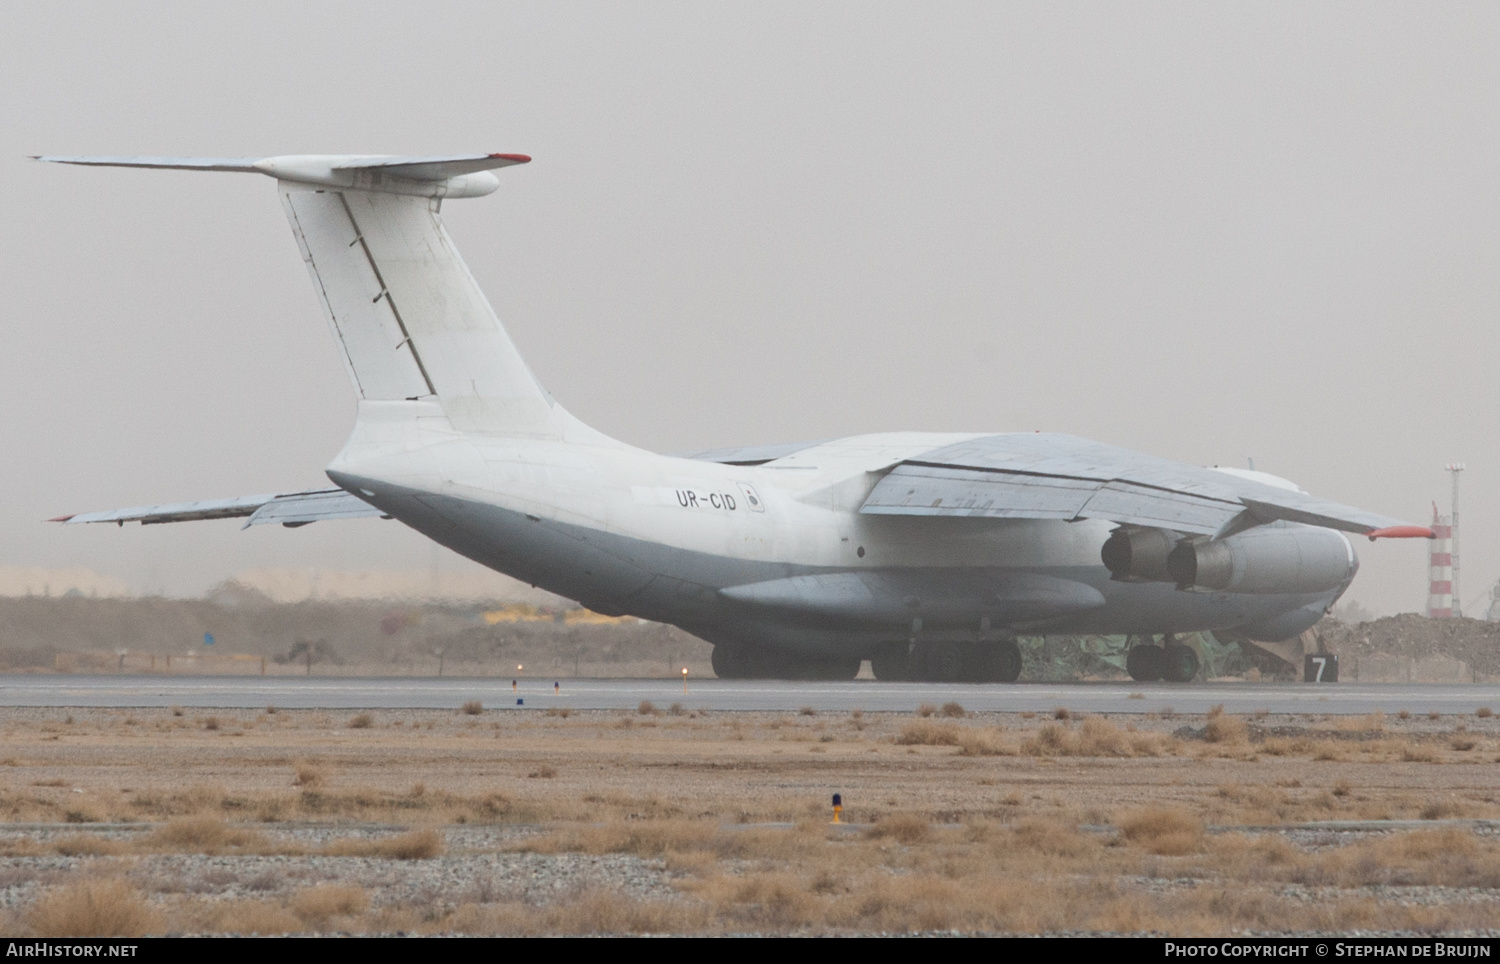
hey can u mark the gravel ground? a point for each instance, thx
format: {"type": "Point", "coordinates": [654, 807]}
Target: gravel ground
{"type": "Point", "coordinates": [472, 870]}
{"type": "Point", "coordinates": [762, 769]}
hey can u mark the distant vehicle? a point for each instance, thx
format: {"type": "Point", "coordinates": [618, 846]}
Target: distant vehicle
{"type": "Point", "coordinates": [923, 553]}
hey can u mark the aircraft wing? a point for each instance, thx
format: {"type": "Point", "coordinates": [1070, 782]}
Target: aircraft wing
{"type": "Point", "coordinates": [750, 455]}
{"type": "Point", "coordinates": [1053, 476]}
{"type": "Point", "coordinates": [291, 509]}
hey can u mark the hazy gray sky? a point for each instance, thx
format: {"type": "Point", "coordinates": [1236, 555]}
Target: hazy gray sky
{"type": "Point", "coordinates": [1205, 231]}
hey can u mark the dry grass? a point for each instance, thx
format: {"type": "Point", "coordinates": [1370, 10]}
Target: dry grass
{"type": "Point", "coordinates": [647, 708]}
{"type": "Point", "coordinates": [250, 917]}
{"type": "Point", "coordinates": [309, 774]}
{"type": "Point", "coordinates": [318, 906]}
{"type": "Point", "coordinates": [905, 874]}
{"type": "Point", "coordinates": [1419, 753]}
{"type": "Point", "coordinates": [954, 710]}
{"type": "Point", "coordinates": [473, 708]}
{"type": "Point", "coordinates": [1484, 712]}
{"type": "Point", "coordinates": [971, 741]}
{"type": "Point", "coordinates": [928, 733]}
{"type": "Point", "coordinates": [414, 845]}
{"type": "Point", "coordinates": [643, 839]}
{"type": "Point", "coordinates": [987, 741]}
{"type": "Point", "coordinates": [1443, 810]}
{"type": "Point", "coordinates": [926, 709]}
{"type": "Point", "coordinates": [204, 835]}
{"type": "Point", "coordinates": [361, 721]}
{"type": "Point", "coordinates": [1220, 727]}
{"type": "Point", "coordinates": [955, 838]}
{"type": "Point", "coordinates": [1163, 831]}
{"type": "Point", "coordinates": [87, 845]}
{"type": "Point", "coordinates": [591, 912]}
{"type": "Point", "coordinates": [904, 828]}
{"type": "Point", "coordinates": [93, 908]}
{"type": "Point", "coordinates": [1095, 737]}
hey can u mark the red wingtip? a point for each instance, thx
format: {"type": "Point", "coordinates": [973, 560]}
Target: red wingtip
{"type": "Point", "coordinates": [62, 518]}
{"type": "Point", "coordinates": [1401, 532]}
{"type": "Point", "coordinates": [518, 158]}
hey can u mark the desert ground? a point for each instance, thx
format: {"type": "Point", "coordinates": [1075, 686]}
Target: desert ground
{"type": "Point", "coordinates": [664, 820]}
{"type": "Point", "coordinates": [661, 820]}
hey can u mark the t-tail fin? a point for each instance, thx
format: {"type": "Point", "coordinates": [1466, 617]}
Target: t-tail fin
{"type": "Point", "coordinates": [407, 314]}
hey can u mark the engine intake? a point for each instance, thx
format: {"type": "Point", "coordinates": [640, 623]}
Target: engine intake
{"type": "Point", "coordinates": [1283, 557]}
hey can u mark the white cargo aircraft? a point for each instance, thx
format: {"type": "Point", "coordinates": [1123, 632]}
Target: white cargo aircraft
{"type": "Point", "coordinates": [924, 553]}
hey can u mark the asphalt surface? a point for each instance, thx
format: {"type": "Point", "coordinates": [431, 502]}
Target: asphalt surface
{"type": "Point", "coordinates": [293, 692]}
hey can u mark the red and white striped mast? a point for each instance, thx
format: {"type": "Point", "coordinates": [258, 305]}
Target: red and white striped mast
{"type": "Point", "coordinates": [1456, 605]}
{"type": "Point", "coordinates": [1440, 569]}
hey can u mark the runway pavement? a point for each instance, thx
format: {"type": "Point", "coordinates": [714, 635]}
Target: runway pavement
{"type": "Point", "coordinates": [291, 692]}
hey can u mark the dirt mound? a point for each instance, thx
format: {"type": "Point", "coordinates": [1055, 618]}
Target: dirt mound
{"type": "Point", "coordinates": [1413, 636]}
{"type": "Point", "coordinates": [355, 636]}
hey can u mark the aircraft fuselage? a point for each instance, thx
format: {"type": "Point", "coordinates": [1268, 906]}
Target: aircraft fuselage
{"type": "Point", "coordinates": [775, 554]}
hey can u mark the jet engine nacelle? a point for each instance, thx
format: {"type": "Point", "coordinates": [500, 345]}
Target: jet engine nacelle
{"type": "Point", "coordinates": [1139, 555]}
{"type": "Point", "coordinates": [1284, 557]}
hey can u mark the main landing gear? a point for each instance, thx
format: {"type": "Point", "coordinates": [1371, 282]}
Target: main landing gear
{"type": "Point", "coordinates": [1173, 662]}
{"type": "Point", "coordinates": [945, 662]}
{"type": "Point", "coordinates": [734, 661]}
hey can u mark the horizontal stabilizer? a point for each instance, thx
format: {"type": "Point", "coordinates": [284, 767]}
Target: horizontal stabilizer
{"type": "Point", "coordinates": [300, 508]}
{"type": "Point", "coordinates": [289, 508]}
{"type": "Point", "coordinates": [439, 175]}
{"type": "Point", "coordinates": [433, 168]}
{"type": "Point", "coordinates": [242, 165]}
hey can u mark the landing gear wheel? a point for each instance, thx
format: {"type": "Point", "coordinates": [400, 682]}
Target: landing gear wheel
{"type": "Point", "coordinates": [1006, 659]}
{"type": "Point", "coordinates": [730, 661]}
{"type": "Point", "coordinates": [1179, 663]}
{"type": "Point", "coordinates": [1145, 662]}
{"type": "Point", "coordinates": [891, 664]}
{"type": "Point", "coordinates": [823, 668]}
{"type": "Point", "coordinates": [991, 662]}
{"type": "Point", "coordinates": [844, 667]}
{"type": "Point", "coordinates": [978, 663]}
{"type": "Point", "coordinates": [937, 662]}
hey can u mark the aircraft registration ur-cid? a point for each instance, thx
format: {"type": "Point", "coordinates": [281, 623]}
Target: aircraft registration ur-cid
{"type": "Point", "coordinates": [925, 553]}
